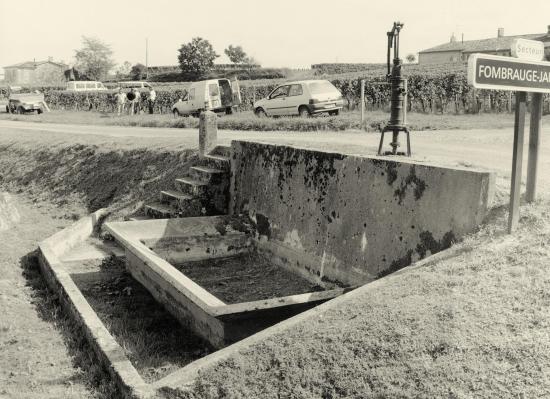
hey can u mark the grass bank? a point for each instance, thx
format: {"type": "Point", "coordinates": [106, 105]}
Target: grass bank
{"type": "Point", "coordinates": [246, 121]}
{"type": "Point", "coordinates": [118, 173]}
{"type": "Point", "coordinates": [474, 325]}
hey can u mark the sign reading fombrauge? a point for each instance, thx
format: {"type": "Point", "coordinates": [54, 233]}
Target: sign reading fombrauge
{"type": "Point", "coordinates": [506, 73]}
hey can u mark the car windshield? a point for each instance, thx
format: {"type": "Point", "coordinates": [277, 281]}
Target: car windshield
{"type": "Point", "coordinates": [321, 87]}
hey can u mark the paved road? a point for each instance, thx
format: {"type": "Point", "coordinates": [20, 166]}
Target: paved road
{"type": "Point", "coordinates": [490, 149]}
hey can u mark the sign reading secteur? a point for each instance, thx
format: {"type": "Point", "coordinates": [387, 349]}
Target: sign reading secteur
{"type": "Point", "coordinates": [505, 73]}
{"type": "Point", "coordinates": [527, 49]}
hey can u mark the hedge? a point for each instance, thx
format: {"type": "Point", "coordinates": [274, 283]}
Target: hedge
{"type": "Point", "coordinates": [431, 89]}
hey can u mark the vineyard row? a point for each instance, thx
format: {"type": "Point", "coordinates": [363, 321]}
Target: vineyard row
{"type": "Point", "coordinates": [427, 92]}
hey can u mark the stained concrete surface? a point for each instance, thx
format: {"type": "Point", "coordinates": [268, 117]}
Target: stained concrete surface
{"type": "Point", "coordinates": [359, 218]}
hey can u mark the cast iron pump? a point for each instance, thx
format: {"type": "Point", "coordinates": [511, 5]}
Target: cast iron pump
{"type": "Point", "coordinates": [398, 115]}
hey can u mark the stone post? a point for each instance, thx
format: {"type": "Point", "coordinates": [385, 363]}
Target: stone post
{"type": "Point", "coordinates": [208, 132]}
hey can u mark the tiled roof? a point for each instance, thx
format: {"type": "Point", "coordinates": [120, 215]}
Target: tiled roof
{"type": "Point", "coordinates": [33, 64]}
{"type": "Point", "coordinates": [493, 44]}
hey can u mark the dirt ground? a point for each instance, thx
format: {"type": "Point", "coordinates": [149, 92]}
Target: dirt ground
{"type": "Point", "coordinates": [41, 354]}
{"type": "Point", "coordinates": [245, 278]}
{"type": "Point", "coordinates": [154, 341]}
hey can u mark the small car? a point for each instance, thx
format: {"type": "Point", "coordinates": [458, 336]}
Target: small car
{"type": "Point", "coordinates": [302, 98]}
{"type": "Point", "coordinates": [21, 103]}
{"type": "Point", "coordinates": [85, 85]}
{"type": "Point", "coordinates": [217, 95]}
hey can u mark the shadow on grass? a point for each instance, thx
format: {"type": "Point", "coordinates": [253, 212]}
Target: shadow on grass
{"type": "Point", "coordinates": [49, 309]}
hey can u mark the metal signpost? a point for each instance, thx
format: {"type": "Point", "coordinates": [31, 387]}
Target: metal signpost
{"type": "Point", "coordinates": [522, 75]}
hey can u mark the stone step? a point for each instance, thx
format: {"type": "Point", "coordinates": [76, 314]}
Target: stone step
{"type": "Point", "coordinates": [171, 197]}
{"type": "Point", "coordinates": [160, 211]}
{"type": "Point", "coordinates": [190, 186]}
{"type": "Point", "coordinates": [223, 150]}
{"type": "Point", "coordinates": [216, 161]}
{"type": "Point", "coordinates": [207, 174]}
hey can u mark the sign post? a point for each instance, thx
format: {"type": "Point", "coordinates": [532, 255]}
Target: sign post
{"type": "Point", "coordinates": [517, 161]}
{"type": "Point", "coordinates": [525, 74]}
{"type": "Point", "coordinates": [534, 144]}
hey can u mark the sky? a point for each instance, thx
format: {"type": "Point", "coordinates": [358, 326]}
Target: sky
{"type": "Point", "coordinates": [277, 33]}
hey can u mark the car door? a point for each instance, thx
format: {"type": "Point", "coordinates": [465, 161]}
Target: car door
{"type": "Point", "coordinates": [276, 102]}
{"type": "Point", "coordinates": [295, 99]}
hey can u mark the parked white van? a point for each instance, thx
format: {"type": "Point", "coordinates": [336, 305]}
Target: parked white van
{"type": "Point", "coordinates": [218, 95]}
{"type": "Point", "coordinates": [82, 85]}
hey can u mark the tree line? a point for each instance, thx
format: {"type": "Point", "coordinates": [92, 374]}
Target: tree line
{"type": "Point", "coordinates": [94, 60]}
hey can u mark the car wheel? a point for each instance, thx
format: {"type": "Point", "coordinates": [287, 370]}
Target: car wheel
{"type": "Point", "coordinates": [19, 110]}
{"type": "Point", "coordinates": [38, 111]}
{"type": "Point", "coordinates": [335, 112]}
{"type": "Point", "coordinates": [304, 111]}
{"type": "Point", "coordinates": [176, 113]}
{"type": "Point", "coordinates": [260, 113]}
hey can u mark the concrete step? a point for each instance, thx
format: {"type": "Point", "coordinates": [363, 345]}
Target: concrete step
{"type": "Point", "coordinates": [216, 161]}
{"type": "Point", "coordinates": [171, 197]}
{"type": "Point", "coordinates": [223, 150]}
{"type": "Point", "coordinates": [186, 205]}
{"type": "Point", "coordinates": [160, 211]}
{"type": "Point", "coordinates": [207, 174]}
{"type": "Point", "coordinates": [190, 186]}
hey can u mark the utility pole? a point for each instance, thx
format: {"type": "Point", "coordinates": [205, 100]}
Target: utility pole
{"type": "Point", "coordinates": [146, 58]}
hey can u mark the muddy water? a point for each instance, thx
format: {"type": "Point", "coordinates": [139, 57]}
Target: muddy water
{"type": "Point", "coordinates": [9, 215]}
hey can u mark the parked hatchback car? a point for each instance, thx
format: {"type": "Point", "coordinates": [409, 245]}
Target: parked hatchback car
{"type": "Point", "coordinates": [302, 98]}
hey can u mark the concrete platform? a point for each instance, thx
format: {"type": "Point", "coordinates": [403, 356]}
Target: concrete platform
{"type": "Point", "coordinates": [151, 248]}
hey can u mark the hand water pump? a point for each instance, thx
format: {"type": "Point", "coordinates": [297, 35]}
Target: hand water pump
{"type": "Point", "coordinates": [398, 115]}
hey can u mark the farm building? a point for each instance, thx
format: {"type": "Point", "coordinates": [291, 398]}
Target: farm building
{"type": "Point", "coordinates": [459, 51]}
{"type": "Point", "coordinates": [37, 73]}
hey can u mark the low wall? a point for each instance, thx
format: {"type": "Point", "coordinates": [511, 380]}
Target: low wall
{"type": "Point", "coordinates": [353, 219]}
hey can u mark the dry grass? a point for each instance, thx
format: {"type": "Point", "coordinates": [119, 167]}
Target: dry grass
{"type": "Point", "coordinates": [374, 121]}
{"type": "Point", "coordinates": [152, 339]}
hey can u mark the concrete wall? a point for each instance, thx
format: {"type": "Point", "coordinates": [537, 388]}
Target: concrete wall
{"type": "Point", "coordinates": [352, 219]}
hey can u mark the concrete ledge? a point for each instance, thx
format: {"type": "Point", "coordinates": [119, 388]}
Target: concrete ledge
{"type": "Point", "coordinates": [108, 351]}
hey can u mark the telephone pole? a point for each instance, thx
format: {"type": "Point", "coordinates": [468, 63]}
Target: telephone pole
{"type": "Point", "coordinates": [146, 58]}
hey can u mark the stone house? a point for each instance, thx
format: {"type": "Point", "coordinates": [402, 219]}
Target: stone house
{"type": "Point", "coordinates": [459, 51]}
{"type": "Point", "coordinates": [35, 73]}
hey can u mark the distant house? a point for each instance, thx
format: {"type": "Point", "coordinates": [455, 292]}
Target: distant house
{"type": "Point", "coordinates": [36, 73]}
{"type": "Point", "coordinates": [459, 51]}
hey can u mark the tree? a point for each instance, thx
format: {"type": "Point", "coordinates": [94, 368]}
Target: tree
{"type": "Point", "coordinates": [94, 59]}
{"type": "Point", "coordinates": [123, 70]}
{"type": "Point", "coordinates": [138, 71]}
{"type": "Point", "coordinates": [196, 58]}
{"type": "Point", "coordinates": [236, 55]}
{"type": "Point", "coordinates": [411, 58]}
